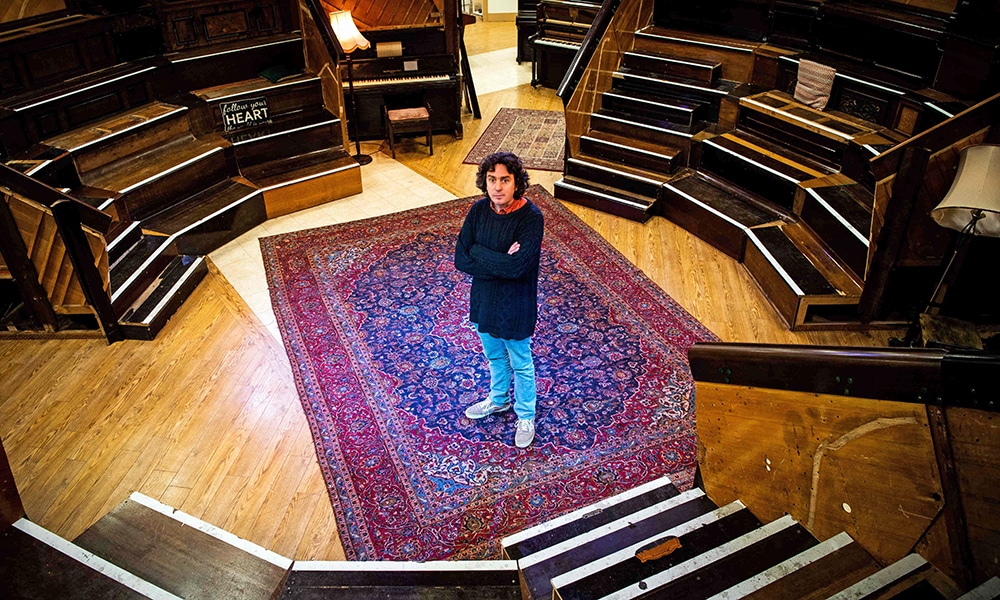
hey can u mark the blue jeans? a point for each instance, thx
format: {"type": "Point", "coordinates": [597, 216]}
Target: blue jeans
{"type": "Point", "coordinates": [506, 357]}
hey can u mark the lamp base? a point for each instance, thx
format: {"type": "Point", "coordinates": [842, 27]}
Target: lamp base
{"type": "Point", "coordinates": [363, 159]}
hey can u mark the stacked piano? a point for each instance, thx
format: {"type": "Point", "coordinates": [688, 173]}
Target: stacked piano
{"type": "Point", "coordinates": [527, 26]}
{"type": "Point", "coordinates": [405, 67]}
{"type": "Point", "coordinates": [561, 27]}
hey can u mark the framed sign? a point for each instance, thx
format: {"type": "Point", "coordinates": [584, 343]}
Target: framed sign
{"type": "Point", "coordinates": [241, 114]}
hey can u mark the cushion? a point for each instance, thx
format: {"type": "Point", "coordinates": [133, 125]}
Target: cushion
{"type": "Point", "coordinates": [814, 83]}
{"type": "Point", "coordinates": [409, 114]}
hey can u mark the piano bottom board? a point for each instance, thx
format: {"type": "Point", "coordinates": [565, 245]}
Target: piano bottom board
{"type": "Point", "coordinates": [444, 98]}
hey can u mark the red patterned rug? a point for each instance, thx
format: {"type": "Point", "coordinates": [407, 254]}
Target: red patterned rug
{"type": "Point", "coordinates": [537, 136]}
{"type": "Point", "coordinates": [374, 317]}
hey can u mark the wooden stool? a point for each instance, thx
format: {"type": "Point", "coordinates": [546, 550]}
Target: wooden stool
{"type": "Point", "coordinates": [405, 120]}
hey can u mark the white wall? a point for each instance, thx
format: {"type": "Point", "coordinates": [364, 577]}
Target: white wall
{"type": "Point", "coordinates": [499, 10]}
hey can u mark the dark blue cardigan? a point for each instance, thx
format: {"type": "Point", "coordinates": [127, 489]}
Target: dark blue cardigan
{"type": "Point", "coordinates": [504, 297]}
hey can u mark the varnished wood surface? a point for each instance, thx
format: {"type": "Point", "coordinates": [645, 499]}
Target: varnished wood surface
{"type": "Point", "coordinates": [206, 418]}
{"type": "Point", "coordinates": [834, 463]}
{"type": "Point", "coordinates": [12, 10]}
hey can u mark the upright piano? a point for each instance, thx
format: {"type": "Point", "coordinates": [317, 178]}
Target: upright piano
{"type": "Point", "coordinates": [527, 26]}
{"type": "Point", "coordinates": [407, 65]}
{"type": "Point", "coordinates": [561, 27]}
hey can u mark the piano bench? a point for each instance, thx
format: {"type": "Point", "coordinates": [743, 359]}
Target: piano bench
{"type": "Point", "coordinates": [408, 120]}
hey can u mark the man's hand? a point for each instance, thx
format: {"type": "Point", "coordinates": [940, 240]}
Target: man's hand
{"type": "Point", "coordinates": [514, 248]}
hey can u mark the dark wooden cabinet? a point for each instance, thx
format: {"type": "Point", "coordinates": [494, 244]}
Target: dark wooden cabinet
{"type": "Point", "coordinates": [527, 24]}
{"type": "Point", "coordinates": [36, 55]}
{"type": "Point", "coordinates": [195, 23]}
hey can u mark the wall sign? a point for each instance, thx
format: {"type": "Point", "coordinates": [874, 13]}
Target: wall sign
{"type": "Point", "coordinates": [244, 113]}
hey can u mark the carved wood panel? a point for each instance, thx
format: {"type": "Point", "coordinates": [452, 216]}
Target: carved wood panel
{"type": "Point", "coordinates": [199, 23]}
{"type": "Point", "coordinates": [51, 52]}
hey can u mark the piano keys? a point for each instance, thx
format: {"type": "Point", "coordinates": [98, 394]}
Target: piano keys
{"type": "Point", "coordinates": [561, 27]}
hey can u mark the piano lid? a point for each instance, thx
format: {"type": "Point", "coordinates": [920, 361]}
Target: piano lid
{"type": "Point", "coordinates": [381, 14]}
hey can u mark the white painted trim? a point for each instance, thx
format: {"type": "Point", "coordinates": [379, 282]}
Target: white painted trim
{"type": "Point", "coordinates": [93, 561]}
{"type": "Point", "coordinates": [774, 263]}
{"type": "Point", "coordinates": [131, 129]}
{"type": "Point", "coordinates": [268, 88]}
{"type": "Point", "coordinates": [869, 148]}
{"type": "Point", "coordinates": [608, 528]}
{"type": "Point", "coordinates": [939, 109]}
{"type": "Point", "coordinates": [987, 590]}
{"type": "Point", "coordinates": [617, 199]}
{"type": "Point", "coordinates": [874, 85]}
{"type": "Point", "coordinates": [170, 170]}
{"type": "Point", "coordinates": [200, 56]}
{"type": "Point", "coordinates": [651, 102]}
{"type": "Point", "coordinates": [703, 560]}
{"type": "Point", "coordinates": [220, 534]}
{"type": "Point", "coordinates": [861, 238]}
{"type": "Point", "coordinates": [787, 567]}
{"type": "Point", "coordinates": [630, 148]}
{"type": "Point", "coordinates": [671, 82]}
{"type": "Point", "coordinates": [876, 581]}
{"type": "Point", "coordinates": [855, 79]}
{"type": "Point", "coordinates": [215, 214]}
{"type": "Point", "coordinates": [388, 565]}
{"type": "Point", "coordinates": [271, 135]}
{"type": "Point", "coordinates": [747, 159]}
{"type": "Point", "coordinates": [569, 517]}
{"type": "Point", "coordinates": [704, 206]}
{"type": "Point", "coordinates": [169, 296]}
{"type": "Point", "coordinates": [645, 126]}
{"type": "Point", "coordinates": [115, 294]}
{"type": "Point", "coordinates": [170, 240]}
{"type": "Point", "coordinates": [38, 167]}
{"type": "Point", "coordinates": [672, 60]}
{"type": "Point", "coordinates": [627, 553]}
{"type": "Point", "coordinates": [698, 43]}
{"type": "Point", "coordinates": [308, 177]}
{"type": "Point", "coordinates": [83, 89]}
{"type": "Point", "coordinates": [114, 243]}
{"type": "Point", "coordinates": [829, 130]}
{"type": "Point", "coordinates": [625, 174]}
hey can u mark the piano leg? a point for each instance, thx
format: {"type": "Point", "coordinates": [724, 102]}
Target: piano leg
{"type": "Point", "coordinates": [534, 67]}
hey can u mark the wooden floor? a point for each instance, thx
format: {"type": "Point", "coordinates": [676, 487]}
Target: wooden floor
{"type": "Point", "coordinates": [206, 418]}
{"type": "Point", "coordinates": [13, 10]}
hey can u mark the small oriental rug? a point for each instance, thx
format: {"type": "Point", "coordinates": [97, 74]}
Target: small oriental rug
{"type": "Point", "coordinates": [537, 136]}
{"type": "Point", "coordinates": [374, 318]}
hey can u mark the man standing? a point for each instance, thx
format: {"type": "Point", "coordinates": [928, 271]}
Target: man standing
{"type": "Point", "coordinates": [500, 245]}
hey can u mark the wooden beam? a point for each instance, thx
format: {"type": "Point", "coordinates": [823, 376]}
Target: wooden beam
{"type": "Point", "coordinates": [905, 190]}
{"type": "Point", "coordinates": [15, 254]}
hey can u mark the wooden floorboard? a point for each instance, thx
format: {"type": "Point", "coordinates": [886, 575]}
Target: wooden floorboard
{"type": "Point", "coordinates": [206, 418]}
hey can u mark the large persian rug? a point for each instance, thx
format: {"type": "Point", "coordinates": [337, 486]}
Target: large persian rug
{"type": "Point", "coordinates": [537, 136]}
{"type": "Point", "coordinates": [375, 321]}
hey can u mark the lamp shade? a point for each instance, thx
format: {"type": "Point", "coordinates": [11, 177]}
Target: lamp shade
{"type": "Point", "coordinates": [976, 190]}
{"type": "Point", "coordinates": [347, 32]}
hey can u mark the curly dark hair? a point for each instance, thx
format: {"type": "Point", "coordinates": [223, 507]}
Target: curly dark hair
{"type": "Point", "coordinates": [514, 166]}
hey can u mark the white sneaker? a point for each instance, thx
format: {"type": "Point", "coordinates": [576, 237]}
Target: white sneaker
{"type": "Point", "coordinates": [485, 409]}
{"type": "Point", "coordinates": [524, 434]}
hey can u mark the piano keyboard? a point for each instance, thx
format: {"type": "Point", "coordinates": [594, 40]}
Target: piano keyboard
{"type": "Point", "coordinates": [384, 81]}
{"type": "Point", "coordinates": [556, 43]}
